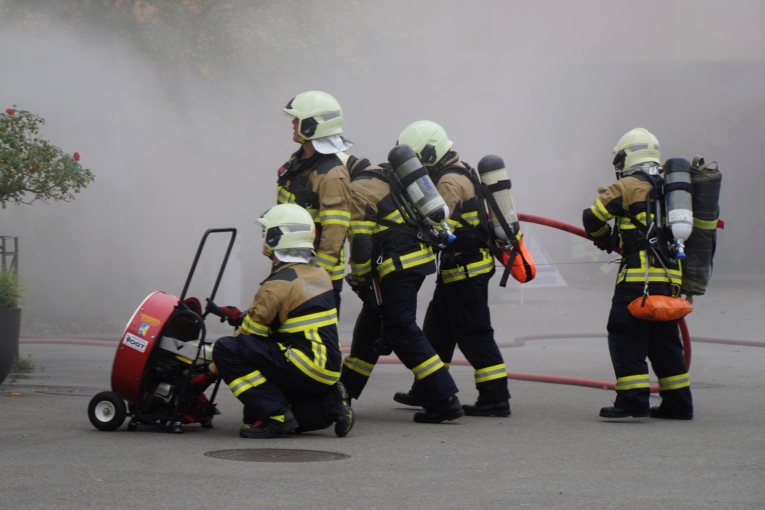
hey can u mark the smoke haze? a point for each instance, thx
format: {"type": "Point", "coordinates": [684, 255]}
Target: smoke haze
{"type": "Point", "coordinates": [179, 145]}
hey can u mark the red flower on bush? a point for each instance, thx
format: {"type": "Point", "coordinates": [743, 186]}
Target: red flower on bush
{"type": "Point", "coordinates": [76, 156]}
{"type": "Point", "coordinates": [9, 111]}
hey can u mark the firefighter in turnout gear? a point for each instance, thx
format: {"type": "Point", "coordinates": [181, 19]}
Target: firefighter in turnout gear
{"type": "Point", "coordinates": [316, 178]}
{"type": "Point", "coordinates": [459, 311]}
{"type": "Point", "coordinates": [283, 363]}
{"type": "Point", "coordinates": [630, 340]}
{"type": "Point", "coordinates": [387, 253]}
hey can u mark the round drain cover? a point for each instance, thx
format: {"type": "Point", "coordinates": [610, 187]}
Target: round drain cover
{"type": "Point", "coordinates": [73, 392]}
{"type": "Point", "coordinates": [276, 455]}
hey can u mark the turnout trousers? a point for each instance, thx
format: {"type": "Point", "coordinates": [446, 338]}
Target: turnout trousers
{"type": "Point", "coordinates": [631, 340]}
{"type": "Point", "coordinates": [259, 374]}
{"type": "Point", "coordinates": [399, 295]}
{"type": "Point", "coordinates": [458, 315]}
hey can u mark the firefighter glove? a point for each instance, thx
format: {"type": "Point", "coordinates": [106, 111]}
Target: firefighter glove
{"type": "Point", "coordinates": [233, 315]}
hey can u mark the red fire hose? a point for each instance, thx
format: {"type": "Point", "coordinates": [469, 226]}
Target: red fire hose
{"type": "Point", "coordinates": [519, 341]}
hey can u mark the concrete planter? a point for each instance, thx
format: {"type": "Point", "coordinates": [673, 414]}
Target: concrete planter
{"type": "Point", "coordinates": [10, 327]}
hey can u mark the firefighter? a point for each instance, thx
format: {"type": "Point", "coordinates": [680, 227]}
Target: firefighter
{"type": "Point", "coordinates": [458, 314]}
{"type": "Point", "coordinates": [631, 340]}
{"type": "Point", "coordinates": [283, 363]}
{"type": "Point", "coordinates": [387, 253]}
{"type": "Point", "coordinates": [316, 178]}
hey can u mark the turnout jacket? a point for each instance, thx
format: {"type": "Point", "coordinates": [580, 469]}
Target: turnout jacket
{"type": "Point", "coordinates": [381, 241]}
{"type": "Point", "coordinates": [321, 185]}
{"type": "Point", "coordinates": [469, 254]}
{"type": "Point", "coordinates": [295, 307]}
{"type": "Point", "coordinates": [627, 196]}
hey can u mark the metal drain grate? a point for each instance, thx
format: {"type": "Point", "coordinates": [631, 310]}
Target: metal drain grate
{"type": "Point", "coordinates": [72, 392]}
{"type": "Point", "coordinates": [276, 455]}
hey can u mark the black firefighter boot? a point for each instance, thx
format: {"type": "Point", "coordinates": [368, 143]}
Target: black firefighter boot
{"type": "Point", "coordinates": [410, 399]}
{"type": "Point", "coordinates": [337, 405]}
{"type": "Point", "coordinates": [280, 423]}
{"type": "Point", "coordinates": [436, 412]}
{"type": "Point", "coordinates": [618, 412]}
{"type": "Point", "coordinates": [501, 408]}
{"type": "Point", "coordinates": [658, 412]}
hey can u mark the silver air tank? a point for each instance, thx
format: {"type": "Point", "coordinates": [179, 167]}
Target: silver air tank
{"type": "Point", "coordinates": [677, 189]}
{"type": "Point", "coordinates": [420, 189]}
{"type": "Point", "coordinates": [491, 168]}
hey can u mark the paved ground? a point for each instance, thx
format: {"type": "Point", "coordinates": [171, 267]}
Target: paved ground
{"type": "Point", "coordinates": [552, 453]}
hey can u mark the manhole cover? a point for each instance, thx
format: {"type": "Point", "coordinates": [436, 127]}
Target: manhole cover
{"type": "Point", "coordinates": [701, 385]}
{"type": "Point", "coordinates": [72, 392]}
{"type": "Point", "coordinates": [276, 455]}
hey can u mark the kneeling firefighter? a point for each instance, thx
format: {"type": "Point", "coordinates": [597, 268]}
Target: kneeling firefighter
{"type": "Point", "coordinates": [389, 262]}
{"type": "Point", "coordinates": [459, 311]}
{"type": "Point", "coordinates": [651, 240]}
{"type": "Point", "coordinates": [283, 363]}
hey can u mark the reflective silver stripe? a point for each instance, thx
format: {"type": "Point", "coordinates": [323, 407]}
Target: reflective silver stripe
{"type": "Point", "coordinates": [356, 366]}
{"type": "Point", "coordinates": [485, 376]}
{"type": "Point", "coordinates": [292, 323]}
{"type": "Point", "coordinates": [664, 383]}
{"type": "Point", "coordinates": [482, 266]}
{"type": "Point", "coordinates": [422, 256]}
{"type": "Point", "coordinates": [340, 217]}
{"type": "Point", "coordinates": [330, 115]}
{"type": "Point", "coordinates": [423, 369]}
{"type": "Point", "coordinates": [634, 148]}
{"type": "Point", "coordinates": [298, 228]}
{"type": "Point", "coordinates": [254, 381]}
{"type": "Point", "coordinates": [304, 365]}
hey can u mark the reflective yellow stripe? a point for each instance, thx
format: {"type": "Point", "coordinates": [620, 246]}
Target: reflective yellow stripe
{"type": "Point", "coordinates": [311, 321]}
{"type": "Point", "coordinates": [428, 367]}
{"type": "Point", "coordinates": [319, 349]}
{"type": "Point", "coordinates": [253, 328]}
{"type": "Point", "coordinates": [360, 366]}
{"type": "Point", "coordinates": [417, 258]}
{"type": "Point", "coordinates": [655, 274]}
{"type": "Point", "coordinates": [490, 373]}
{"type": "Point", "coordinates": [453, 223]}
{"type": "Point", "coordinates": [314, 214]}
{"type": "Point", "coordinates": [395, 217]}
{"type": "Point", "coordinates": [308, 367]}
{"type": "Point", "coordinates": [600, 211]}
{"type": "Point", "coordinates": [387, 266]}
{"type": "Point", "coordinates": [703, 224]}
{"type": "Point", "coordinates": [632, 382]}
{"type": "Point", "coordinates": [600, 232]}
{"type": "Point", "coordinates": [471, 217]}
{"type": "Point", "coordinates": [243, 384]}
{"type": "Point", "coordinates": [675, 382]}
{"type": "Point", "coordinates": [625, 223]}
{"type": "Point", "coordinates": [335, 217]}
{"type": "Point", "coordinates": [361, 269]}
{"type": "Point", "coordinates": [283, 196]}
{"type": "Point", "coordinates": [361, 227]}
{"type": "Point", "coordinates": [326, 261]}
{"type": "Point", "coordinates": [485, 265]}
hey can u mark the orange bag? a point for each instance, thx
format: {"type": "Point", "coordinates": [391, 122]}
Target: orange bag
{"type": "Point", "coordinates": [660, 308]}
{"type": "Point", "coordinates": [523, 269]}
{"type": "Point", "coordinates": [521, 265]}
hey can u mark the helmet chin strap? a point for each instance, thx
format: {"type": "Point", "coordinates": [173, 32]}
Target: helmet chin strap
{"type": "Point", "coordinates": [301, 140]}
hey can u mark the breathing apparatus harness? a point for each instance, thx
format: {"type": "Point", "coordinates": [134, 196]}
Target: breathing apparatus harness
{"type": "Point", "coordinates": [656, 238]}
{"type": "Point", "coordinates": [483, 232]}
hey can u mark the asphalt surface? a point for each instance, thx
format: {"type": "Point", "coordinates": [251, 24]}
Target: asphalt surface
{"type": "Point", "coordinates": [554, 452]}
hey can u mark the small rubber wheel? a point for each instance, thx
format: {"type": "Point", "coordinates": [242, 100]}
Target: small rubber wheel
{"type": "Point", "coordinates": [207, 424]}
{"type": "Point", "coordinates": [107, 411]}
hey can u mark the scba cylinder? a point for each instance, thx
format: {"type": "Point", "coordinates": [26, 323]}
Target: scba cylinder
{"type": "Point", "coordinates": [677, 189]}
{"type": "Point", "coordinates": [493, 174]}
{"type": "Point", "coordinates": [420, 189]}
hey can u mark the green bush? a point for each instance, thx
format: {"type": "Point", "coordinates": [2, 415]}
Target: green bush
{"type": "Point", "coordinates": [11, 290]}
{"type": "Point", "coordinates": [32, 168]}
{"type": "Point", "coordinates": [22, 365]}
